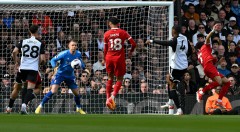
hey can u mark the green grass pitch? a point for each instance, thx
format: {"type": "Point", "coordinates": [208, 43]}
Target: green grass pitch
{"type": "Point", "coordinates": [118, 123]}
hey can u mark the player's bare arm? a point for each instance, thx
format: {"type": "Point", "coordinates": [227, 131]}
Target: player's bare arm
{"type": "Point", "coordinates": [134, 45]}
{"type": "Point", "coordinates": [163, 43]}
{"type": "Point", "coordinates": [215, 28]}
{"type": "Point", "coordinates": [15, 57]}
{"type": "Point", "coordinates": [42, 59]}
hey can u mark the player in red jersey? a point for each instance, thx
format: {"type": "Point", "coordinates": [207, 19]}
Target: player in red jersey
{"type": "Point", "coordinates": [207, 60]}
{"type": "Point", "coordinates": [114, 56]}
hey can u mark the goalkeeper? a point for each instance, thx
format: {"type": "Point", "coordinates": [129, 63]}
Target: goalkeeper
{"type": "Point", "coordinates": [65, 73]}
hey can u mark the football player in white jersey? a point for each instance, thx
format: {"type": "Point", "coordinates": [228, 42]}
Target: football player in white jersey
{"type": "Point", "coordinates": [33, 53]}
{"type": "Point", "coordinates": [178, 65]}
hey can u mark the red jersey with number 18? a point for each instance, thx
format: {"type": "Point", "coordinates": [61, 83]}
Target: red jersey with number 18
{"type": "Point", "coordinates": [205, 54]}
{"type": "Point", "coordinates": [115, 38]}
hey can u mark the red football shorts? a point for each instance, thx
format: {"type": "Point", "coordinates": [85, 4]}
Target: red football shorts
{"type": "Point", "coordinates": [116, 66]}
{"type": "Point", "coordinates": [211, 71]}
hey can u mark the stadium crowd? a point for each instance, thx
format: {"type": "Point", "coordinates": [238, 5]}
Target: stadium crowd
{"type": "Point", "coordinates": [145, 72]}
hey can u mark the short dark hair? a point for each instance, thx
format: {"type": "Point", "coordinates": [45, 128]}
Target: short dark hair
{"type": "Point", "coordinates": [215, 41]}
{"type": "Point", "coordinates": [200, 35]}
{"type": "Point", "coordinates": [177, 29]}
{"type": "Point", "coordinates": [33, 29]}
{"type": "Point", "coordinates": [199, 45]}
{"type": "Point", "coordinates": [113, 20]}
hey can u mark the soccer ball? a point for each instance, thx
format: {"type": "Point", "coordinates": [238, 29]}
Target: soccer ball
{"type": "Point", "coordinates": [76, 64]}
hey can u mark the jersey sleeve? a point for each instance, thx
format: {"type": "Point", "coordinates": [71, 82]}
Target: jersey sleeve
{"type": "Point", "coordinates": [57, 58]}
{"type": "Point", "coordinates": [130, 39]}
{"type": "Point", "coordinates": [19, 45]}
{"type": "Point", "coordinates": [42, 48]}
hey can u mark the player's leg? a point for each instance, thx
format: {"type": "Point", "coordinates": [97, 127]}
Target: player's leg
{"type": "Point", "coordinates": [56, 81]}
{"type": "Point", "coordinates": [77, 98]}
{"type": "Point", "coordinates": [71, 83]}
{"type": "Point", "coordinates": [16, 88]}
{"type": "Point", "coordinates": [109, 84]}
{"type": "Point", "coordinates": [176, 78]}
{"type": "Point", "coordinates": [110, 71]}
{"type": "Point", "coordinates": [224, 89]}
{"type": "Point", "coordinates": [211, 72]}
{"type": "Point", "coordinates": [24, 91]}
{"type": "Point", "coordinates": [31, 78]}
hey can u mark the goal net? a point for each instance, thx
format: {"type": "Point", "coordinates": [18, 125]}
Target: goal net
{"type": "Point", "coordinates": [86, 22]}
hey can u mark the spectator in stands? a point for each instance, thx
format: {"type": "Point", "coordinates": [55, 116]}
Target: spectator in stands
{"type": "Point", "coordinates": [90, 69]}
{"type": "Point", "coordinates": [228, 41]}
{"type": "Point", "coordinates": [235, 9]}
{"type": "Point", "coordinates": [98, 42]}
{"type": "Point", "coordinates": [158, 77]}
{"type": "Point", "coordinates": [232, 59]}
{"type": "Point", "coordinates": [235, 73]}
{"type": "Point", "coordinates": [203, 18]}
{"type": "Point", "coordinates": [192, 29]}
{"type": "Point", "coordinates": [99, 65]}
{"type": "Point", "coordinates": [215, 45]}
{"type": "Point", "coordinates": [75, 31]}
{"type": "Point", "coordinates": [222, 17]}
{"type": "Point", "coordinates": [135, 80]}
{"type": "Point", "coordinates": [85, 50]}
{"type": "Point", "coordinates": [102, 18]}
{"type": "Point", "coordinates": [221, 51]}
{"type": "Point", "coordinates": [201, 7]}
{"type": "Point", "coordinates": [8, 19]}
{"type": "Point", "coordinates": [236, 36]}
{"type": "Point", "coordinates": [212, 109]}
{"type": "Point", "coordinates": [61, 41]}
{"type": "Point", "coordinates": [102, 90]}
{"type": "Point", "coordinates": [127, 86]}
{"type": "Point", "coordinates": [144, 87]}
{"type": "Point", "coordinates": [234, 89]}
{"type": "Point", "coordinates": [128, 65]}
{"type": "Point", "coordinates": [95, 85]}
{"type": "Point", "coordinates": [17, 26]}
{"type": "Point", "coordinates": [98, 74]}
{"type": "Point", "coordinates": [5, 88]}
{"type": "Point", "coordinates": [104, 79]}
{"type": "Point", "coordinates": [201, 30]}
{"type": "Point", "coordinates": [43, 21]}
{"type": "Point", "coordinates": [216, 8]}
{"type": "Point", "coordinates": [187, 85]}
{"type": "Point", "coordinates": [84, 81]}
{"type": "Point", "coordinates": [210, 24]}
{"type": "Point", "coordinates": [191, 14]}
{"type": "Point", "coordinates": [82, 91]}
{"type": "Point", "coordinates": [229, 12]}
{"type": "Point", "coordinates": [232, 23]}
{"type": "Point", "coordinates": [223, 67]}
{"type": "Point", "coordinates": [3, 63]}
{"type": "Point", "coordinates": [158, 91]}
{"type": "Point", "coordinates": [64, 90]}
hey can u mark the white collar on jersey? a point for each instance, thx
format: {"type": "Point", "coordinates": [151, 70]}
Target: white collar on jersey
{"type": "Point", "coordinates": [33, 37]}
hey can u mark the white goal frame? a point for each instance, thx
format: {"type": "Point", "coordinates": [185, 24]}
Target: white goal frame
{"type": "Point", "coordinates": [77, 4]}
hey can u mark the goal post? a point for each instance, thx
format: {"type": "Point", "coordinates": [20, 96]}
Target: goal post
{"type": "Point", "coordinates": [86, 21]}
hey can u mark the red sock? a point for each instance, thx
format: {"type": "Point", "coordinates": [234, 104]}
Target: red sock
{"type": "Point", "coordinates": [210, 86]}
{"type": "Point", "coordinates": [109, 88]}
{"type": "Point", "coordinates": [117, 87]}
{"type": "Point", "coordinates": [224, 90]}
